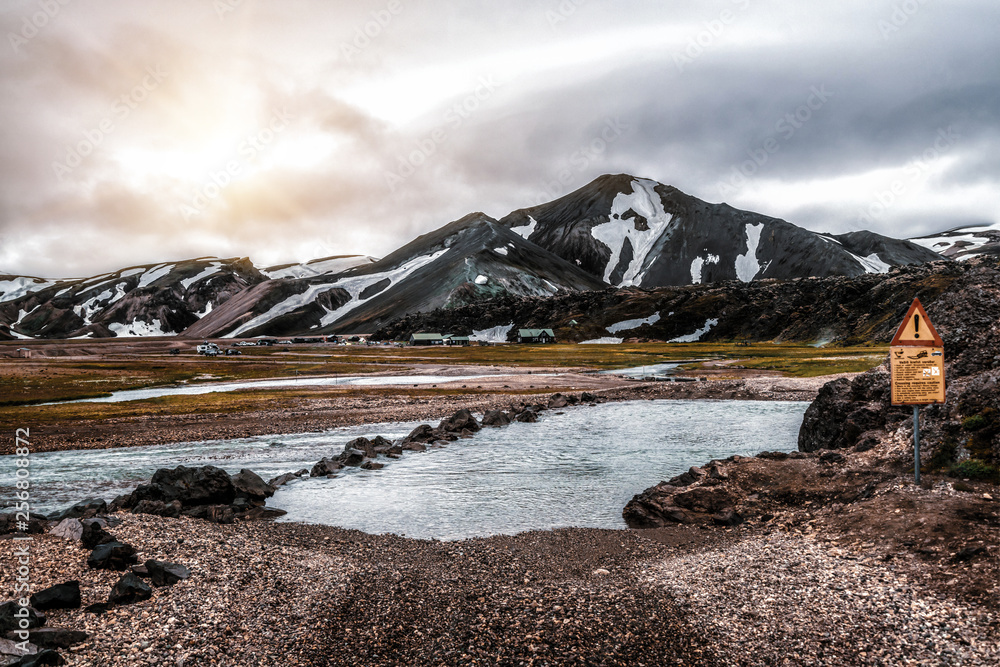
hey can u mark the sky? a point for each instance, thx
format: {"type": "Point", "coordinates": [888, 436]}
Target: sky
{"type": "Point", "coordinates": [137, 132]}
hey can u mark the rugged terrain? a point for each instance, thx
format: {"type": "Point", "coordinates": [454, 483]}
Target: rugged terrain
{"type": "Point", "coordinates": [617, 231]}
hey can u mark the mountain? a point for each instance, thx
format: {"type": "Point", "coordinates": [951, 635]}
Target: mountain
{"type": "Point", "coordinates": [964, 242]}
{"type": "Point", "coordinates": [468, 260]}
{"type": "Point", "coordinates": [618, 231]}
{"type": "Point", "coordinates": [150, 300]}
{"type": "Point", "coordinates": [633, 231]}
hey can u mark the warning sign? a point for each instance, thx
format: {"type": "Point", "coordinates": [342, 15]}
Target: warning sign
{"type": "Point", "coordinates": [917, 375]}
{"type": "Point", "coordinates": [916, 360]}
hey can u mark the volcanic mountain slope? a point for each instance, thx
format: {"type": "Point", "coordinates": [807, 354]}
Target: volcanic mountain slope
{"type": "Point", "coordinates": [151, 300]}
{"type": "Point", "coordinates": [836, 309]}
{"type": "Point", "coordinates": [632, 231]}
{"type": "Point", "coordinates": [466, 261]}
{"type": "Point", "coordinates": [964, 242]}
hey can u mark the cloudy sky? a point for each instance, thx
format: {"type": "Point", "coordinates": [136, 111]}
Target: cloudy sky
{"type": "Point", "coordinates": [134, 132]}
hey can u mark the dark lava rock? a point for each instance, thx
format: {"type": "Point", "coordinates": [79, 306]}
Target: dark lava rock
{"type": "Point", "coordinates": [496, 418]}
{"type": "Point", "coordinates": [463, 420]}
{"type": "Point", "coordinates": [773, 456]}
{"type": "Point", "coordinates": [10, 620]}
{"type": "Point", "coordinates": [688, 478]}
{"type": "Point", "coordinates": [94, 535]}
{"type": "Point", "coordinates": [128, 590]}
{"type": "Point", "coordinates": [9, 524]}
{"type": "Point", "coordinates": [968, 553]}
{"type": "Point", "coordinates": [371, 465]}
{"type": "Point", "coordinates": [44, 657]}
{"type": "Point", "coordinates": [112, 556]}
{"type": "Point", "coordinates": [352, 457]}
{"type": "Point", "coordinates": [424, 433]}
{"type": "Point", "coordinates": [727, 517]}
{"type": "Point", "coordinates": [96, 608]}
{"type": "Point", "coordinates": [162, 573]}
{"type": "Point", "coordinates": [832, 457]}
{"type": "Point", "coordinates": [557, 401]}
{"type": "Point", "coordinates": [414, 447]}
{"type": "Point", "coordinates": [60, 596]}
{"type": "Point", "coordinates": [249, 484]}
{"type": "Point", "coordinates": [325, 466]}
{"type": "Point", "coordinates": [281, 480]}
{"type": "Point", "coordinates": [363, 445]}
{"type": "Point", "coordinates": [526, 416]}
{"type": "Point", "coordinates": [206, 485]}
{"type": "Point", "coordinates": [82, 510]}
{"type": "Point", "coordinates": [158, 508]}
{"type": "Point", "coordinates": [220, 514]}
{"type": "Point", "coordinates": [55, 637]}
{"type": "Point", "coordinates": [705, 500]}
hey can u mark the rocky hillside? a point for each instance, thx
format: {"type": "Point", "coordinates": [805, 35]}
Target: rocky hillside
{"type": "Point", "coordinates": [816, 310]}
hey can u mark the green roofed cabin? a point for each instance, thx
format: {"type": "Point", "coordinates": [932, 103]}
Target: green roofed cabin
{"type": "Point", "coordinates": [426, 339]}
{"type": "Point", "coordinates": [456, 340]}
{"type": "Point", "coordinates": [535, 336]}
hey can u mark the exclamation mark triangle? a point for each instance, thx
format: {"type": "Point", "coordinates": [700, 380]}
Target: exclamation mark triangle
{"type": "Point", "coordinates": [917, 329]}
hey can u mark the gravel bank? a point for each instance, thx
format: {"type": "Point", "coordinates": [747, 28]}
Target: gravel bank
{"type": "Point", "coordinates": [780, 599]}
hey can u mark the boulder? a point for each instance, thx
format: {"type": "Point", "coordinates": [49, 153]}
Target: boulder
{"type": "Point", "coordinates": [44, 657]}
{"type": "Point", "coordinates": [281, 480]}
{"type": "Point", "coordinates": [60, 596]}
{"type": "Point", "coordinates": [371, 465]}
{"type": "Point", "coordinates": [220, 514]}
{"type": "Point", "coordinates": [81, 510]}
{"type": "Point", "coordinates": [9, 523]}
{"type": "Point", "coordinates": [162, 573]}
{"type": "Point", "coordinates": [557, 401]}
{"type": "Point", "coordinates": [832, 457]}
{"type": "Point", "coordinates": [158, 508]}
{"type": "Point", "coordinates": [97, 608]}
{"type": "Point", "coordinates": [414, 447]}
{"type": "Point", "coordinates": [496, 418]}
{"type": "Point", "coordinates": [526, 416]}
{"type": "Point", "coordinates": [10, 621]}
{"type": "Point", "coordinates": [112, 556]}
{"type": "Point", "coordinates": [94, 534]}
{"type": "Point", "coordinates": [54, 637]}
{"type": "Point", "coordinates": [381, 445]}
{"type": "Point", "coordinates": [587, 397]}
{"type": "Point", "coordinates": [325, 466]}
{"type": "Point", "coordinates": [206, 485]}
{"type": "Point", "coordinates": [128, 590]}
{"type": "Point", "coordinates": [352, 457]}
{"type": "Point", "coordinates": [705, 500]}
{"type": "Point", "coordinates": [363, 445]}
{"type": "Point", "coordinates": [10, 654]}
{"type": "Point", "coordinates": [463, 420]}
{"type": "Point", "coordinates": [424, 433]}
{"type": "Point", "coordinates": [688, 478]}
{"type": "Point", "coordinates": [727, 517]}
{"type": "Point", "coordinates": [249, 484]}
{"type": "Point", "coordinates": [70, 529]}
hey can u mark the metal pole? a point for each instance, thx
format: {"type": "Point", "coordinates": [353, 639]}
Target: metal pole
{"type": "Point", "coordinates": [916, 443]}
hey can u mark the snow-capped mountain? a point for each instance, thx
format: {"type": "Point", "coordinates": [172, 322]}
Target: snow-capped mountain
{"type": "Point", "coordinates": [617, 231]}
{"type": "Point", "coordinates": [964, 242]}
{"type": "Point", "coordinates": [152, 300]}
{"type": "Point", "coordinates": [468, 260]}
{"type": "Point", "coordinates": [632, 231]}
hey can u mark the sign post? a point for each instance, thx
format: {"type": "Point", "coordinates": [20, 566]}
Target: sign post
{"type": "Point", "coordinates": [916, 364]}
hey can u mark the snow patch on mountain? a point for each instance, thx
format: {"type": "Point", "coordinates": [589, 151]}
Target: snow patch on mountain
{"type": "Point", "coordinates": [872, 263]}
{"type": "Point", "coordinates": [626, 325]}
{"type": "Point", "coordinates": [747, 266]}
{"type": "Point", "coordinates": [138, 328]}
{"type": "Point", "coordinates": [959, 244]}
{"type": "Point", "coordinates": [645, 201]}
{"type": "Point", "coordinates": [696, 336]}
{"type": "Point", "coordinates": [606, 340]}
{"type": "Point", "coordinates": [526, 230]}
{"type": "Point", "coordinates": [698, 264]}
{"type": "Point", "coordinates": [210, 270]}
{"type": "Point", "coordinates": [154, 274]}
{"type": "Point", "coordinates": [329, 266]}
{"type": "Point", "coordinates": [11, 290]}
{"type": "Point", "coordinates": [87, 309]}
{"type": "Point", "coordinates": [481, 279]}
{"type": "Point", "coordinates": [496, 334]}
{"type": "Point", "coordinates": [500, 251]}
{"type": "Point", "coordinates": [208, 309]}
